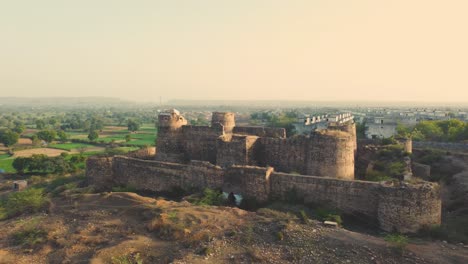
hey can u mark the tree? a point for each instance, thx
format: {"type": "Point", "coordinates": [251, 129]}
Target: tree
{"type": "Point", "coordinates": [40, 124]}
{"type": "Point", "coordinates": [47, 135]}
{"type": "Point", "coordinates": [430, 130]}
{"type": "Point", "coordinates": [403, 131]}
{"type": "Point", "coordinates": [19, 127]}
{"type": "Point", "coordinates": [8, 137]}
{"type": "Point", "coordinates": [62, 136]}
{"type": "Point", "coordinates": [93, 135]}
{"type": "Point", "coordinates": [21, 164]}
{"type": "Point", "coordinates": [133, 125]}
{"type": "Point", "coordinates": [128, 137]}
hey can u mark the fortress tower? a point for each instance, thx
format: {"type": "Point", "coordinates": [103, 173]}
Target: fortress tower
{"type": "Point", "coordinates": [169, 144]}
{"type": "Point", "coordinates": [226, 119]}
{"type": "Point", "coordinates": [331, 154]}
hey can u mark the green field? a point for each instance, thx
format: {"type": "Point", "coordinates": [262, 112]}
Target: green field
{"type": "Point", "coordinates": [6, 163]}
{"type": "Point", "coordinates": [70, 146]}
{"type": "Point", "coordinates": [145, 136]}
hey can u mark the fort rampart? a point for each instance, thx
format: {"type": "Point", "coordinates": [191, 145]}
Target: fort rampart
{"type": "Point", "coordinates": [403, 208]}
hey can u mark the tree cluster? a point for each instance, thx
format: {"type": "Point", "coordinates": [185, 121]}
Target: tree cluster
{"type": "Point", "coordinates": [8, 137]}
{"type": "Point", "coordinates": [40, 163]}
{"type": "Point", "coordinates": [437, 130]}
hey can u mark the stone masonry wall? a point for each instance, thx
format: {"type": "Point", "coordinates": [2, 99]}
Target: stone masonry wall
{"type": "Point", "coordinates": [200, 142]}
{"type": "Point", "coordinates": [99, 172]}
{"type": "Point", "coordinates": [403, 208]}
{"type": "Point", "coordinates": [331, 154]}
{"type": "Point", "coordinates": [251, 181]}
{"type": "Point", "coordinates": [164, 176]}
{"type": "Point", "coordinates": [260, 131]}
{"type": "Point", "coordinates": [231, 152]}
{"type": "Point", "coordinates": [407, 208]}
{"type": "Point", "coordinates": [284, 154]}
{"type": "Point", "coordinates": [352, 197]}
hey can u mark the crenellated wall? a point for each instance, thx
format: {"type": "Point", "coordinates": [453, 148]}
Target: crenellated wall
{"type": "Point", "coordinates": [403, 208]}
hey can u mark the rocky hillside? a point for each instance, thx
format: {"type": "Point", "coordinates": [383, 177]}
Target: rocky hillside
{"type": "Point", "coordinates": [122, 227]}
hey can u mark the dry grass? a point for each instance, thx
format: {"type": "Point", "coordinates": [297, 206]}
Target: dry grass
{"type": "Point", "coordinates": [46, 151]}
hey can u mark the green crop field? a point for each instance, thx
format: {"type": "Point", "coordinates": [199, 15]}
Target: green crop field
{"type": "Point", "coordinates": [6, 163]}
{"type": "Point", "coordinates": [70, 146]}
{"type": "Point", "coordinates": [142, 140]}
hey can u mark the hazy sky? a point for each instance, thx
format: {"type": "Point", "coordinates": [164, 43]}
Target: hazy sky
{"type": "Point", "coordinates": [243, 49]}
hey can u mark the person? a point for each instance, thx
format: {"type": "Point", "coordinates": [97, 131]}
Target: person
{"type": "Point", "coordinates": [232, 199]}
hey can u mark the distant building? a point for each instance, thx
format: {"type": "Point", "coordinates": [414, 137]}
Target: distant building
{"type": "Point", "coordinates": [307, 124]}
{"type": "Point", "coordinates": [381, 127]}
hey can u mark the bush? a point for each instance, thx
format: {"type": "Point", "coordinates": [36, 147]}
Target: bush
{"type": "Point", "coordinates": [304, 216]}
{"type": "Point", "coordinates": [377, 176]}
{"type": "Point", "coordinates": [211, 197]}
{"type": "Point", "coordinates": [324, 214]}
{"type": "Point", "coordinates": [30, 235]}
{"type": "Point", "coordinates": [28, 201]}
{"type": "Point", "coordinates": [398, 241]}
{"type": "Point", "coordinates": [279, 236]}
{"type": "Point", "coordinates": [124, 189]}
{"type": "Point", "coordinates": [133, 258]}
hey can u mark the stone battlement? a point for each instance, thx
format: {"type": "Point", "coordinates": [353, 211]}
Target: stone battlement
{"type": "Point", "coordinates": [326, 153]}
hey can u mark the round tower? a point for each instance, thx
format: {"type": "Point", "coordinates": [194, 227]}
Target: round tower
{"type": "Point", "coordinates": [331, 154]}
{"type": "Point", "coordinates": [226, 119]}
{"type": "Point", "coordinates": [171, 120]}
{"type": "Point", "coordinates": [407, 144]}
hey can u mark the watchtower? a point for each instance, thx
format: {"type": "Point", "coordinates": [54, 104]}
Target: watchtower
{"type": "Point", "coordinates": [226, 119]}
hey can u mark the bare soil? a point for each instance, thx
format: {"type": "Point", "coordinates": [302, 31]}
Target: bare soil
{"type": "Point", "coordinates": [24, 142]}
{"type": "Point", "coordinates": [100, 228]}
{"type": "Point", "coordinates": [50, 152]}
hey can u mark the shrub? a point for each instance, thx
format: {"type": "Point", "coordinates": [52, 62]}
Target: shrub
{"type": "Point", "coordinates": [28, 201]}
{"type": "Point", "coordinates": [211, 197]}
{"type": "Point", "coordinates": [324, 214]}
{"type": "Point", "coordinates": [124, 189]}
{"type": "Point", "coordinates": [280, 236]}
{"type": "Point", "coordinates": [398, 241]}
{"type": "Point", "coordinates": [389, 141]}
{"type": "Point", "coordinates": [377, 176]}
{"type": "Point", "coordinates": [304, 216]}
{"type": "Point", "coordinates": [133, 258]}
{"type": "Point", "coordinates": [29, 235]}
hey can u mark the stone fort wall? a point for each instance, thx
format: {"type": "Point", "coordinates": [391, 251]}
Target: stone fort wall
{"type": "Point", "coordinates": [403, 208]}
{"type": "Point", "coordinates": [323, 153]}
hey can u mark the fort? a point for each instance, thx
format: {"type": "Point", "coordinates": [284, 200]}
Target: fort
{"type": "Point", "coordinates": [261, 163]}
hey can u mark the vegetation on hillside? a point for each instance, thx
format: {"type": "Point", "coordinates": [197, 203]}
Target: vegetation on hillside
{"type": "Point", "coordinates": [452, 130]}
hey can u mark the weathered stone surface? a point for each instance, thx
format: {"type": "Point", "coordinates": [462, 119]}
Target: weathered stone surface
{"type": "Point", "coordinates": [246, 157]}
{"type": "Point", "coordinates": [327, 153]}
{"type": "Point", "coordinates": [402, 208]}
{"type": "Point", "coordinates": [420, 170]}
